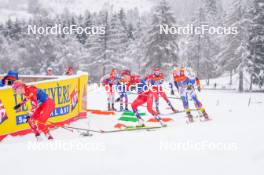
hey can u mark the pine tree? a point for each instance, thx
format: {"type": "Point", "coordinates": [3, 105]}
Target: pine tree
{"type": "Point", "coordinates": [118, 39]}
{"type": "Point", "coordinates": [98, 48]}
{"type": "Point", "coordinates": [136, 49]}
{"type": "Point", "coordinates": [257, 44]}
{"type": "Point", "coordinates": [236, 51]}
{"type": "Point", "coordinates": [192, 51]}
{"type": "Point", "coordinates": [211, 44]}
{"type": "Point", "coordinates": [162, 48]}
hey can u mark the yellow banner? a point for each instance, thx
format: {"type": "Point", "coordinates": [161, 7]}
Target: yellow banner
{"type": "Point", "coordinates": [69, 95]}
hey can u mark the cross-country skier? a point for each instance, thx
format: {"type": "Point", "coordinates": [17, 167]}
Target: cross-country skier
{"type": "Point", "coordinates": [144, 96]}
{"type": "Point", "coordinates": [186, 82]}
{"type": "Point", "coordinates": [122, 88]}
{"type": "Point", "coordinates": [9, 78]}
{"type": "Point", "coordinates": [156, 80]}
{"type": "Point", "coordinates": [109, 82]}
{"type": "Point", "coordinates": [42, 107]}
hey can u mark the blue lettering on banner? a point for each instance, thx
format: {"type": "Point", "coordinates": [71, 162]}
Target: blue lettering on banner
{"type": "Point", "coordinates": [61, 111]}
{"type": "Point", "coordinates": [21, 119]}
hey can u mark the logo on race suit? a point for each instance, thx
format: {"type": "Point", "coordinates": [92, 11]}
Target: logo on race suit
{"type": "Point", "coordinates": [3, 115]}
{"type": "Point", "coordinates": [74, 98]}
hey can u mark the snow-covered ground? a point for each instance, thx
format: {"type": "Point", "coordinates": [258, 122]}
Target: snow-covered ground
{"type": "Point", "coordinates": [232, 143]}
{"type": "Point", "coordinates": [223, 82]}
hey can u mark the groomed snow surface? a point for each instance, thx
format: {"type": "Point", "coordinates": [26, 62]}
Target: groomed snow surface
{"type": "Point", "coordinates": [232, 143]}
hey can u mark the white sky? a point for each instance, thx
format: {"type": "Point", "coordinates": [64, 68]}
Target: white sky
{"type": "Point", "coordinates": [18, 8]}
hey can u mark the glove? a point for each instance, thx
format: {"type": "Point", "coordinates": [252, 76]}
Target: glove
{"type": "Point", "coordinates": [172, 92]}
{"type": "Point", "coordinates": [189, 87]}
{"type": "Point", "coordinates": [117, 100]}
{"type": "Point", "coordinates": [27, 119]}
{"type": "Point", "coordinates": [199, 88]}
{"type": "Point", "coordinates": [17, 106]}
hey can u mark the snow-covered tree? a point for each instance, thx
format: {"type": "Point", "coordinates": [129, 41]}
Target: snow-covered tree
{"type": "Point", "coordinates": [235, 52]}
{"type": "Point", "coordinates": [136, 49]}
{"type": "Point", "coordinates": [257, 44]}
{"type": "Point", "coordinates": [199, 50]}
{"type": "Point", "coordinates": [161, 48]}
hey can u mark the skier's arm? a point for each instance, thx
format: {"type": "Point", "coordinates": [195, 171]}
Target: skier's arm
{"type": "Point", "coordinates": [34, 103]}
{"type": "Point", "coordinates": [198, 84]}
{"type": "Point", "coordinates": [176, 85]}
{"type": "Point", "coordinates": [21, 103]}
{"type": "Point", "coordinates": [171, 87]}
{"type": "Point", "coordinates": [172, 81]}
{"type": "Point", "coordinates": [33, 98]}
{"type": "Point", "coordinates": [147, 77]}
{"type": "Point", "coordinates": [103, 79]}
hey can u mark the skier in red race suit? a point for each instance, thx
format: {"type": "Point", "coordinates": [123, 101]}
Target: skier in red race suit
{"type": "Point", "coordinates": [144, 96]}
{"type": "Point", "coordinates": [69, 71]}
{"type": "Point", "coordinates": [42, 107]}
{"type": "Point", "coordinates": [156, 80]}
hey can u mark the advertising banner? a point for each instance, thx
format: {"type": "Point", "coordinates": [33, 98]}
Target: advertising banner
{"type": "Point", "coordinates": [69, 95]}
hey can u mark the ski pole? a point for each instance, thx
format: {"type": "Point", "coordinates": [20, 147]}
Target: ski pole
{"type": "Point", "coordinates": [177, 98]}
{"type": "Point", "coordinates": [75, 128]}
{"type": "Point", "coordinates": [83, 129]}
{"type": "Point", "coordinates": [55, 124]}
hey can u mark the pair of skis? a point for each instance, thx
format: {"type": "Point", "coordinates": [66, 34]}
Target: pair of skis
{"type": "Point", "coordinates": [88, 132]}
{"type": "Point", "coordinates": [177, 112]}
{"type": "Point", "coordinates": [201, 118]}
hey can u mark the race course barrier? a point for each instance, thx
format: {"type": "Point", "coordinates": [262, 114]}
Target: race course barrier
{"type": "Point", "coordinates": [68, 92]}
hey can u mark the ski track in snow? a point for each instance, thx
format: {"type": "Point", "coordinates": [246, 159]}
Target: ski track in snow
{"type": "Point", "coordinates": [145, 152]}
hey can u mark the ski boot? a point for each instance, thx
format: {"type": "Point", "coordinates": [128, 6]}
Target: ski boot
{"type": "Point", "coordinates": [38, 137]}
{"type": "Point", "coordinates": [126, 108]}
{"type": "Point", "coordinates": [172, 108]}
{"type": "Point", "coordinates": [140, 123]}
{"type": "Point", "coordinates": [160, 121]}
{"type": "Point", "coordinates": [190, 117]}
{"type": "Point", "coordinates": [49, 136]}
{"type": "Point", "coordinates": [205, 115]}
{"type": "Point", "coordinates": [121, 109]}
{"type": "Point", "coordinates": [113, 107]}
